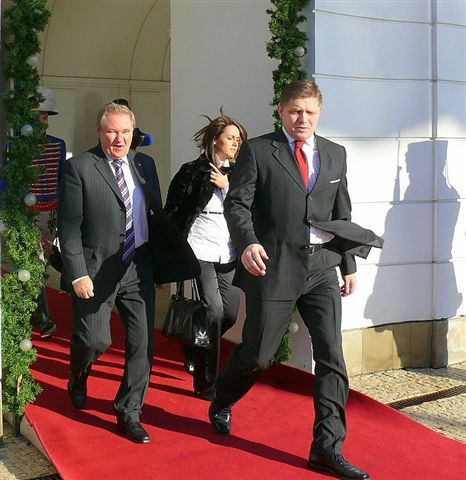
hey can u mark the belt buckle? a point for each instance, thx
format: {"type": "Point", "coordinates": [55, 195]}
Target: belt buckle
{"type": "Point", "coordinates": [312, 249]}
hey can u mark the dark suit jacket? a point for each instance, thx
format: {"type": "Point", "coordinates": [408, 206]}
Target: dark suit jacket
{"type": "Point", "coordinates": [268, 204]}
{"type": "Point", "coordinates": [91, 221]}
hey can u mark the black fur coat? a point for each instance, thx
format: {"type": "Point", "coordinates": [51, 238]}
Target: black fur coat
{"type": "Point", "coordinates": [189, 192]}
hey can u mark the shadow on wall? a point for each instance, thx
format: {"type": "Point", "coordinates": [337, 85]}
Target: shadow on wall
{"type": "Point", "coordinates": [418, 344]}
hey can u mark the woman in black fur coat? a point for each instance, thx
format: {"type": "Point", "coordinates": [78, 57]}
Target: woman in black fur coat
{"type": "Point", "coordinates": [195, 202]}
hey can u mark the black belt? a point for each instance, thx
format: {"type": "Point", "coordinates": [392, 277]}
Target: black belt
{"type": "Point", "coordinates": [312, 248]}
{"type": "Point", "coordinates": [212, 213]}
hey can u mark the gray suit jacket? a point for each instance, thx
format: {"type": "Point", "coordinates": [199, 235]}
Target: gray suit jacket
{"type": "Point", "coordinates": [91, 221]}
{"type": "Point", "coordinates": [267, 203]}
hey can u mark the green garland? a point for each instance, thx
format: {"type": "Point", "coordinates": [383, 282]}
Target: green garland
{"type": "Point", "coordinates": [288, 45]}
{"type": "Point", "coordinates": [23, 20]}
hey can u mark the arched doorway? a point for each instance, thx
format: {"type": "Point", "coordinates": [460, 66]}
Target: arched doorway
{"type": "Point", "coordinates": [94, 52]}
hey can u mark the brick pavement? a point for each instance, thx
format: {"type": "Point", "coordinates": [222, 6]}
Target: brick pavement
{"type": "Point", "coordinates": [445, 415]}
{"type": "Point", "coordinates": [20, 460]}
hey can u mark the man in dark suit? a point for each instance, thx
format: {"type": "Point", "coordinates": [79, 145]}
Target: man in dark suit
{"type": "Point", "coordinates": [288, 211]}
{"type": "Point", "coordinates": [116, 241]}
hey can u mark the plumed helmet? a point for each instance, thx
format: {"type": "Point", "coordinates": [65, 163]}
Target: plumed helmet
{"type": "Point", "coordinates": [48, 105]}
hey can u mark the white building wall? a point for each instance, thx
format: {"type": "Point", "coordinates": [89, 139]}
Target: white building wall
{"type": "Point", "coordinates": [218, 57]}
{"type": "Point", "coordinates": [404, 130]}
{"type": "Point", "coordinates": [393, 76]}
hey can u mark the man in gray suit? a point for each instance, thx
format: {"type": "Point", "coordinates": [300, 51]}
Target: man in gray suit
{"type": "Point", "coordinates": [116, 241]}
{"type": "Point", "coordinates": [289, 212]}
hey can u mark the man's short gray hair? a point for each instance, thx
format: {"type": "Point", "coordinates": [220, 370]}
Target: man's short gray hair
{"type": "Point", "coordinates": [112, 107]}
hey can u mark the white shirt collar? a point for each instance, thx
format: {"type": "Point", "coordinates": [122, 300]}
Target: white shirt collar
{"type": "Point", "coordinates": [311, 141]}
{"type": "Point", "coordinates": [218, 162]}
{"type": "Point", "coordinates": [124, 159]}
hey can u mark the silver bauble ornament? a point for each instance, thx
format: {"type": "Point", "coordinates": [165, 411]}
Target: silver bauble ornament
{"type": "Point", "coordinates": [30, 199]}
{"type": "Point", "coordinates": [32, 60]}
{"type": "Point", "coordinates": [25, 345]}
{"type": "Point", "coordinates": [24, 275]}
{"type": "Point", "coordinates": [300, 51]}
{"type": "Point", "coordinates": [294, 327]}
{"type": "Point", "coordinates": [26, 130]}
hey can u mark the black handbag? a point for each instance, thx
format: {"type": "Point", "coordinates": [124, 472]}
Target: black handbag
{"type": "Point", "coordinates": [186, 318]}
{"type": "Point", "coordinates": [55, 259]}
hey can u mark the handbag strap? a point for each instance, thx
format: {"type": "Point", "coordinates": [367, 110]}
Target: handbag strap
{"type": "Point", "coordinates": [195, 290]}
{"type": "Point", "coordinates": [179, 289]}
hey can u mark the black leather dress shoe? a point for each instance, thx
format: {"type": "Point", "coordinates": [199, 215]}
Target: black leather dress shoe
{"type": "Point", "coordinates": [77, 388]}
{"type": "Point", "coordinates": [337, 466]}
{"type": "Point", "coordinates": [189, 357]}
{"type": "Point", "coordinates": [47, 329]}
{"type": "Point", "coordinates": [133, 431]}
{"type": "Point", "coordinates": [220, 419]}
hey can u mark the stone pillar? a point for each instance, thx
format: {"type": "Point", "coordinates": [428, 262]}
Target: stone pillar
{"type": "Point", "coordinates": [439, 343]}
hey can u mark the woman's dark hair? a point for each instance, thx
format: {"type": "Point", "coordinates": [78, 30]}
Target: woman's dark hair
{"type": "Point", "coordinates": [207, 135]}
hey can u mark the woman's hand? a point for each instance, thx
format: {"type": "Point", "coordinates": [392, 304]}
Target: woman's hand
{"type": "Point", "coordinates": [218, 178]}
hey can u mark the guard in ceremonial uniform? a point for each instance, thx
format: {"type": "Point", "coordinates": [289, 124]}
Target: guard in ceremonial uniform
{"type": "Point", "coordinates": [46, 192]}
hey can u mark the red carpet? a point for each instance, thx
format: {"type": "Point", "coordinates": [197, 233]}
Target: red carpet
{"type": "Point", "coordinates": [271, 430]}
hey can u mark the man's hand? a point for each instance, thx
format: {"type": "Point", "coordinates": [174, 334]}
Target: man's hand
{"type": "Point", "coordinates": [84, 288]}
{"type": "Point", "coordinates": [252, 259]}
{"type": "Point", "coordinates": [217, 177]}
{"type": "Point", "coordinates": [46, 246]}
{"type": "Point", "coordinates": [349, 285]}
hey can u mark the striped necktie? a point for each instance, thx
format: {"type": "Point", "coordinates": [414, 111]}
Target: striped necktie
{"type": "Point", "coordinates": [129, 247]}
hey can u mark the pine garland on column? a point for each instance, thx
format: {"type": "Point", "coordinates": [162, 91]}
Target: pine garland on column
{"type": "Point", "coordinates": [20, 288]}
{"type": "Point", "coordinates": [288, 45]}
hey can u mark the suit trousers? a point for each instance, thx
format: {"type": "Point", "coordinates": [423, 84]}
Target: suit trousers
{"type": "Point", "coordinates": [47, 223]}
{"type": "Point", "coordinates": [265, 325]}
{"type": "Point", "coordinates": [221, 300]}
{"type": "Point", "coordinates": [131, 289]}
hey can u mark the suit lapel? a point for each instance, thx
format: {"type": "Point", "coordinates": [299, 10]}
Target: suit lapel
{"type": "Point", "coordinates": [326, 162]}
{"type": "Point", "coordinates": [282, 152]}
{"type": "Point", "coordinates": [103, 167]}
{"type": "Point", "coordinates": [137, 169]}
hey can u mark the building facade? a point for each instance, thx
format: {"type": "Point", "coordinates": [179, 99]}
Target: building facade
{"type": "Point", "coordinates": [393, 75]}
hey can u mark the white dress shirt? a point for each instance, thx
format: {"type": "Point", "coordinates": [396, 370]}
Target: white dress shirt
{"type": "Point", "coordinates": [209, 236]}
{"type": "Point", "coordinates": [316, 235]}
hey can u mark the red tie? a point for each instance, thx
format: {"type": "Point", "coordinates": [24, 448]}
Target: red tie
{"type": "Point", "coordinates": [302, 160]}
